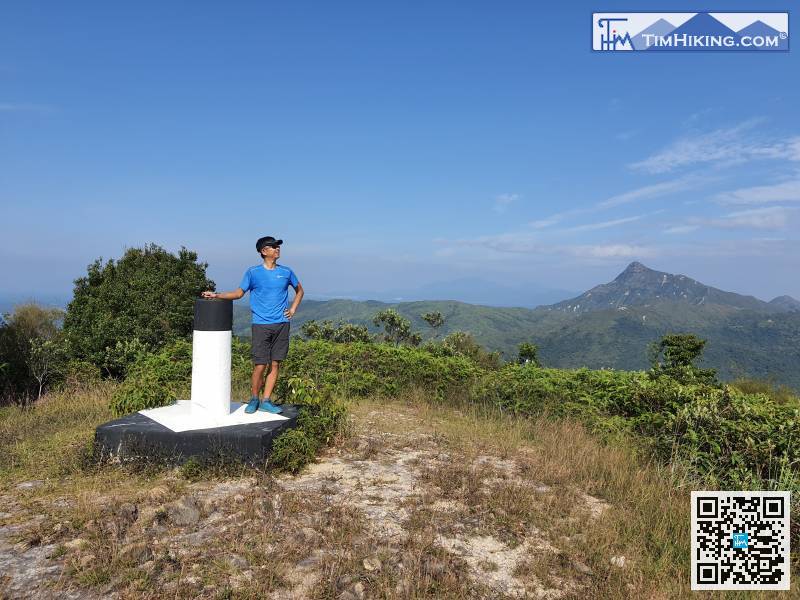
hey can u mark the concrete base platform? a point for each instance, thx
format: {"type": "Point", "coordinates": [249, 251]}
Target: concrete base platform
{"type": "Point", "coordinates": [138, 436]}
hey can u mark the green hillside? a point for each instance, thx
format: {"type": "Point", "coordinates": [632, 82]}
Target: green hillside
{"type": "Point", "coordinates": [610, 325]}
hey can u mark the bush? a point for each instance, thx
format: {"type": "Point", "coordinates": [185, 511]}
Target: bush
{"type": "Point", "coordinates": [320, 418]}
{"type": "Point", "coordinates": [675, 355]}
{"type": "Point", "coordinates": [342, 332]}
{"type": "Point", "coordinates": [362, 369]}
{"type": "Point", "coordinates": [156, 379]}
{"type": "Point", "coordinates": [147, 295]}
{"type": "Point", "coordinates": [734, 439]}
{"type": "Point", "coordinates": [461, 343]}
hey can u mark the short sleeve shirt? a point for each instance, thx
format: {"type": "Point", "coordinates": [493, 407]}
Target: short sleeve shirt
{"type": "Point", "coordinates": [269, 292]}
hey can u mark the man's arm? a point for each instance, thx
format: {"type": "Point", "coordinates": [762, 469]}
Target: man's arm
{"type": "Point", "coordinates": [298, 297]}
{"type": "Point", "coordinates": [234, 295]}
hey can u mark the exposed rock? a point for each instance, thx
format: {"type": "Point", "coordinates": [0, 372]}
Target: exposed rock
{"type": "Point", "coordinates": [237, 562]}
{"type": "Point", "coordinates": [137, 552]}
{"type": "Point", "coordinates": [582, 567]}
{"type": "Point", "coordinates": [372, 564]}
{"type": "Point", "coordinates": [29, 485]}
{"type": "Point", "coordinates": [183, 512]}
{"type": "Point", "coordinates": [358, 590]}
{"type": "Point", "coordinates": [128, 512]}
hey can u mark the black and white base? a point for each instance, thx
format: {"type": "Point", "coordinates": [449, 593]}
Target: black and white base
{"type": "Point", "coordinates": [208, 424]}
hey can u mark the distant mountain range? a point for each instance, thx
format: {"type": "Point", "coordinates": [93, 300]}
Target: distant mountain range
{"type": "Point", "coordinates": [610, 325]}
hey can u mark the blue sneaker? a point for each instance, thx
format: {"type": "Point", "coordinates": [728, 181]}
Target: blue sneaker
{"type": "Point", "coordinates": [269, 407]}
{"type": "Point", "coordinates": [252, 406]}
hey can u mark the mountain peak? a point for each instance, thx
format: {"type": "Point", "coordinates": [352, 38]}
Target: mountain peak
{"type": "Point", "coordinates": [639, 285]}
{"type": "Point", "coordinates": [634, 268]}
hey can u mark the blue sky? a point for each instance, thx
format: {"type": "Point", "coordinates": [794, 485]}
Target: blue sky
{"type": "Point", "coordinates": [395, 147]}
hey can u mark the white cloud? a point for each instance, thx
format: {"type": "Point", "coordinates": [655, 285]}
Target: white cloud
{"type": "Point", "coordinates": [787, 191]}
{"type": "Point", "coordinates": [603, 224]}
{"type": "Point", "coordinates": [681, 229]}
{"type": "Point", "coordinates": [557, 218]}
{"type": "Point", "coordinates": [727, 146]}
{"type": "Point", "coordinates": [503, 201]}
{"type": "Point", "coordinates": [610, 251]}
{"type": "Point", "coordinates": [773, 217]}
{"type": "Point", "coordinates": [654, 190]}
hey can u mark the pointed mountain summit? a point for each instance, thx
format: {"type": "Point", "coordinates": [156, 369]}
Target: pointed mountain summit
{"type": "Point", "coordinates": [659, 28]}
{"type": "Point", "coordinates": [701, 24]}
{"type": "Point", "coordinates": [639, 285]}
{"type": "Point", "coordinates": [759, 28]}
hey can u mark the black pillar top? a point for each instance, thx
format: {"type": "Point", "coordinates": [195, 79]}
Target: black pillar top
{"type": "Point", "coordinates": [213, 314]}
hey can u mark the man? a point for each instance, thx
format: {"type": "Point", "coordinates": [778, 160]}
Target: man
{"type": "Point", "coordinates": [268, 284]}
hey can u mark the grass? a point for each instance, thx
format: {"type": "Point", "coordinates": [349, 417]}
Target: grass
{"type": "Point", "coordinates": [479, 475]}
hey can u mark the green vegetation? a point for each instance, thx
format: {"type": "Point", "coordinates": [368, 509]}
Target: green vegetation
{"type": "Point", "coordinates": [33, 353]}
{"type": "Point", "coordinates": [145, 298]}
{"type": "Point", "coordinates": [321, 417]}
{"type": "Point", "coordinates": [528, 354]}
{"type": "Point", "coordinates": [741, 342]}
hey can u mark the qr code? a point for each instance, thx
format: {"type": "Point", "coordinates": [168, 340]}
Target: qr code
{"type": "Point", "coordinates": [740, 540]}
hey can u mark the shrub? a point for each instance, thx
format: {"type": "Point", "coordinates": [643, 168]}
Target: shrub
{"type": "Point", "coordinates": [735, 439]}
{"type": "Point", "coordinates": [461, 343]}
{"type": "Point", "coordinates": [397, 329]}
{"type": "Point", "coordinates": [156, 379]}
{"type": "Point", "coordinates": [675, 354]}
{"type": "Point", "coordinates": [528, 354]}
{"type": "Point", "coordinates": [320, 418]}
{"type": "Point", "coordinates": [341, 332]}
{"type": "Point", "coordinates": [292, 450]}
{"type": "Point", "coordinates": [147, 295]}
{"type": "Point", "coordinates": [361, 369]}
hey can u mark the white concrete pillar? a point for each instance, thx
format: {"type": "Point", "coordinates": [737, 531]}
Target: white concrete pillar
{"type": "Point", "coordinates": [211, 356]}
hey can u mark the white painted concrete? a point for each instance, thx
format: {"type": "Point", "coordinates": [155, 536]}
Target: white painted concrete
{"type": "Point", "coordinates": [187, 415]}
{"type": "Point", "coordinates": [211, 372]}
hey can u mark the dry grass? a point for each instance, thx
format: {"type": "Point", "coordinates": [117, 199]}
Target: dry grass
{"type": "Point", "coordinates": [420, 501]}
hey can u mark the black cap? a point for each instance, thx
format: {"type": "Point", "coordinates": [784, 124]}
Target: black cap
{"type": "Point", "coordinates": [267, 241]}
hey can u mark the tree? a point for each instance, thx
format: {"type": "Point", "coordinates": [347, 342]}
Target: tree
{"type": "Point", "coordinates": [341, 333]}
{"type": "Point", "coordinates": [528, 354]}
{"type": "Point", "coordinates": [434, 319]}
{"type": "Point", "coordinates": [675, 354]}
{"type": "Point", "coordinates": [46, 361]}
{"type": "Point", "coordinates": [32, 348]}
{"type": "Point", "coordinates": [462, 343]}
{"type": "Point", "coordinates": [397, 328]}
{"type": "Point", "coordinates": [146, 295]}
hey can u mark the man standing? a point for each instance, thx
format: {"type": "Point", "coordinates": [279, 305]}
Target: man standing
{"type": "Point", "coordinates": [268, 284]}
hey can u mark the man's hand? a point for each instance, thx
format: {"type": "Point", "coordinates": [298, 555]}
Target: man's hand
{"type": "Point", "coordinates": [288, 313]}
{"type": "Point", "coordinates": [209, 294]}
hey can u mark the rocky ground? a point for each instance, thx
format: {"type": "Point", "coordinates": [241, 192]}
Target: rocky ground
{"type": "Point", "coordinates": [405, 506]}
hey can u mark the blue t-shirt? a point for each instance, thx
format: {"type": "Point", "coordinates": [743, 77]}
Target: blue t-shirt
{"type": "Point", "coordinates": [269, 292]}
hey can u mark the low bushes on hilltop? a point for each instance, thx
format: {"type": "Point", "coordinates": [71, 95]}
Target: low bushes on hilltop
{"type": "Point", "coordinates": [322, 415]}
{"type": "Point", "coordinates": [362, 369]}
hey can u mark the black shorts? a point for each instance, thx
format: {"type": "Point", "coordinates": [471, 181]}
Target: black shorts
{"type": "Point", "coordinates": [270, 342]}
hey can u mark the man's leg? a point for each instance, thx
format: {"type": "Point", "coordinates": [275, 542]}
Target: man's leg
{"type": "Point", "coordinates": [257, 380]}
{"type": "Point", "coordinates": [272, 377]}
